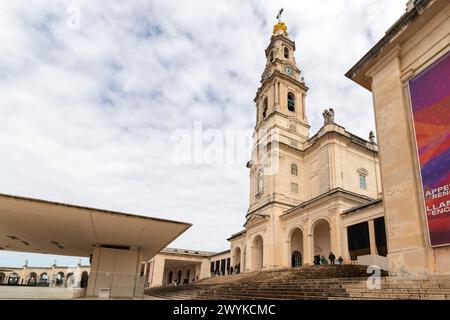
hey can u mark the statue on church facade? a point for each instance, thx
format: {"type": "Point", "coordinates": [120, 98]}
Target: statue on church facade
{"type": "Point", "coordinates": [372, 137]}
{"type": "Point", "coordinates": [328, 116]}
{"type": "Point", "coordinates": [260, 179]}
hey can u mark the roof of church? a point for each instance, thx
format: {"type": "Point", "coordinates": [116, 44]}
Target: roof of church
{"type": "Point", "coordinates": [365, 205]}
{"type": "Point", "coordinates": [221, 252]}
{"type": "Point", "coordinates": [187, 252]}
{"type": "Point", "coordinates": [338, 129]}
{"type": "Point", "coordinates": [323, 195]}
{"type": "Point", "coordinates": [236, 234]}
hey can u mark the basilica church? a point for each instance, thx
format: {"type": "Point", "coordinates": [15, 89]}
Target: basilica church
{"type": "Point", "coordinates": [314, 197]}
{"type": "Point", "coordinates": [310, 195]}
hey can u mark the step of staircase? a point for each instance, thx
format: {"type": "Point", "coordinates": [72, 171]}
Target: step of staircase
{"type": "Point", "coordinates": [312, 282]}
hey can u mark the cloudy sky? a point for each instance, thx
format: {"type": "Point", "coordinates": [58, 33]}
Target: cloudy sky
{"type": "Point", "coordinates": [92, 93]}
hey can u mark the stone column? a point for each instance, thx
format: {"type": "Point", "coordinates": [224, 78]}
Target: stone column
{"type": "Point", "coordinates": [278, 93]}
{"type": "Point", "coordinates": [52, 276]}
{"type": "Point", "coordinates": [308, 245]}
{"type": "Point", "coordinates": [77, 276]}
{"type": "Point", "coordinates": [303, 106]}
{"type": "Point", "coordinates": [373, 245]}
{"type": "Point", "coordinates": [205, 269]}
{"type": "Point", "coordinates": [334, 234]}
{"type": "Point", "coordinates": [287, 254]}
{"type": "Point", "coordinates": [274, 94]}
{"type": "Point", "coordinates": [345, 251]}
{"type": "Point", "coordinates": [197, 270]}
{"type": "Point", "coordinates": [116, 269]}
{"type": "Point", "coordinates": [247, 265]}
{"type": "Point", "coordinates": [24, 273]}
{"type": "Point", "coordinates": [277, 102]}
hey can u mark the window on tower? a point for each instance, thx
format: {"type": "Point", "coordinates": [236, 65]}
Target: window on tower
{"type": "Point", "coordinates": [294, 170]}
{"type": "Point", "coordinates": [265, 107]}
{"type": "Point", "coordinates": [362, 177]}
{"type": "Point", "coordinates": [271, 56]}
{"type": "Point", "coordinates": [362, 181]}
{"type": "Point", "coordinates": [286, 53]}
{"type": "Point", "coordinates": [291, 102]}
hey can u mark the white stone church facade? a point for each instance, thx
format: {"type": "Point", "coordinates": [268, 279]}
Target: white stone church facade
{"type": "Point", "coordinates": [309, 195]}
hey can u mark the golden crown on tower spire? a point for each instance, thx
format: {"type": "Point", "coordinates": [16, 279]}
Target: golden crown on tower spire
{"type": "Point", "coordinates": [280, 25]}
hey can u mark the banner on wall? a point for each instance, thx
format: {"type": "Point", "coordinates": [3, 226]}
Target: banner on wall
{"type": "Point", "coordinates": [430, 102]}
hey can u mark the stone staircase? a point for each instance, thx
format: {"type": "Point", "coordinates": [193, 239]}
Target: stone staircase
{"type": "Point", "coordinates": [312, 282]}
{"type": "Point", "coordinates": [327, 282]}
{"type": "Point", "coordinates": [403, 287]}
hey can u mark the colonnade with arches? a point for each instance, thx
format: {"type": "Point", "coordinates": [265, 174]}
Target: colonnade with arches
{"type": "Point", "coordinates": [46, 277]}
{"type": "Point", "coordinates": [301, 246]}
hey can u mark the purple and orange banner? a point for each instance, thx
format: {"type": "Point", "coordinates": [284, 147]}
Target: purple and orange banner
{"type": "Point", "coordinates": [430, 101]}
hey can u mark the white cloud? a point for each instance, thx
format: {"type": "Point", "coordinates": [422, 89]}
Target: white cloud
{"type": "Point", "coordinates": [87, 114]}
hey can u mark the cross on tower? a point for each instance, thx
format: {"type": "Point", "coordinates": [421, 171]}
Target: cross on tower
{"type": "Point", "coordinates": [279, 15]}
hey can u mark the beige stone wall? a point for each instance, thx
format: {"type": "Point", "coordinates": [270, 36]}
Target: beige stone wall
{"type": "Point", "coordinates": [157, 275]}
{"type": "Point", "coordinates": [238, 251]}
{"type": "Point", "coordinates": [196, 264]}
{"type": "Point", "coordinates": [332, 161]}
{"type": "Point", "coordinates": [117, 270]}
{"type": "Point", "coordinates": [417, 47]}
{"type": "Point", "coordinates": [259, 229]}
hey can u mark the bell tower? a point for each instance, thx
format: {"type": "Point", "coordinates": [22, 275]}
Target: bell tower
{"type": "Point", "coordinates": [282, 92]}
{"type": "Point", "coordinates": [281, 121]}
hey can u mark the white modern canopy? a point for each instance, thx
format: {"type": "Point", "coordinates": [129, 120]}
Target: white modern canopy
{"type": "Point", "coordinates": [39, 226]}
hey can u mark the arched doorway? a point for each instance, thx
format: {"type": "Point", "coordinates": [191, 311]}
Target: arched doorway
{"type": "Point", "coordinates": [2, 278]}
{"type": "Point", "coordinates": [59, 278]}
{"type": "Point", "coordinates": [237, 260]}
{"type": "Point", "coordinates": [296, 259]}
{"type": "Point", "coordinates": [13, 279]}
{"type": "Point", "coordinates": [296, 250]}
{"type": "Point", "coordinates": [43, 277]}
{"type": "Point", "coordinates": [84, 279]}
{"type": "Point", "coordinates": [257, 253]}
{"type": "Point", "coordinates": [170, 277]}
{"type": "Point", "coordinates": [32, 278]}
{"type": "Point", "coordinates": [70, 282]}
{"type": "Point", "coordinates": [179, 276]}
{"type": "Point", "coordinates": [322, 239]}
